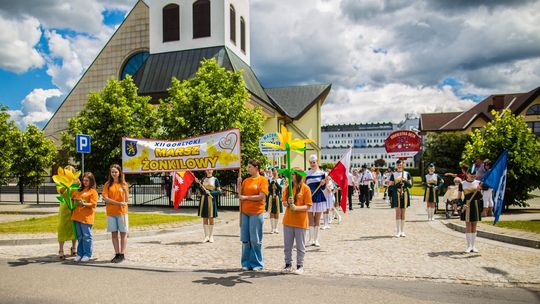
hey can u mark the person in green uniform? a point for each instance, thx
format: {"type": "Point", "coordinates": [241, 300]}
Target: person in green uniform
{"type": "Point", "coordinates": [273, 200]}
{"type": "Point", "coordinates": [470, 198]}
{"type": "Point", "coordinates": [432, 183]}
{"type": "Point", "coordinates": [210, 193]}
{"type": "Point", "coordinates": [400, 181]}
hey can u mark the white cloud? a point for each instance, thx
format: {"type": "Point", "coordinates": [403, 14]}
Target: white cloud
{"type": "Point", "coordinates": [388, 103]}
{"type": "Point", "coordinates": [34, 108]}
{"type": "Point", "coordinates": [17, 41]}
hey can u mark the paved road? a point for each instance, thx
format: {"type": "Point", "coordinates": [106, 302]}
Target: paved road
{"type": "Point", "coordinates": [362, 247]}
{"type": "Point", "coordinates": [70, 283]}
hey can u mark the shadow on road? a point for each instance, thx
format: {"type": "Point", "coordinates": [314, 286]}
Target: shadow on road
{"type": "Point", "coordinates": [241, 277]}
{"type": "Point", "coordinates": [38, 260]}
{"type": "Point", "coordinates": [367, 238]}
{"type": "Point", "coordinates": [184, 243]}
{"type": "Point", "coordinates": [453, 254]}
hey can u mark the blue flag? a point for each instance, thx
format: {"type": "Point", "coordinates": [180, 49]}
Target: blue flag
{"type": "Point", "coordinates": [496, 179]}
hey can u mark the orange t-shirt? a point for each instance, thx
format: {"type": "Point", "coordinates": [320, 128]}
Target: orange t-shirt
{"type": "Point", "coordinates": [297, 218]}
{"type": "Point", "coordinates": [254, 186]}
{"type": "Point", "coordinates": [83, 214]}
{"type": "Point", "coordinates": [115, 193]}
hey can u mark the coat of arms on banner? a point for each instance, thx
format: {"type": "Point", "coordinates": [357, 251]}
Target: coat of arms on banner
{"type": "Point", "coordinates": [131, 148]}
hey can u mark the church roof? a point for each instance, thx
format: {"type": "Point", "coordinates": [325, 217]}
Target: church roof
{"type": "Point", "coordinates": [294, 101]}
{"type": "Point", "coordinates": [154, 78]}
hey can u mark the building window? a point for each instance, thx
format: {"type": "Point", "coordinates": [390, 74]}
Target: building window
{"type": "Point", "coordinates": [171, 23]}
{"type": "Point", "coordinates": [201, 18]}
{"type": "Point", "coordinates": [133, 64]}
{"type": "Point", "coordinates": [534, 110]}
{"type": "Point", "coordinates": [232, 23]}
{"type": "Point", "coordinates": [242, 34]}
{"type": "Point", "coordinates": [535, 126]}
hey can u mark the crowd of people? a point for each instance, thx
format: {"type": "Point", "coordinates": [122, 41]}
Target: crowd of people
{"type": "Point", "coordinates": [303, 204]}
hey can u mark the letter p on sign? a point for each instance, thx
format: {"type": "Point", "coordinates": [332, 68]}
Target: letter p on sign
{"type": "Point", "coordinates": [83, 143]}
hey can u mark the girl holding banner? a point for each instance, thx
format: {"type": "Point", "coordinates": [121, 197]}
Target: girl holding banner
{"type": "Point", "coordinates": [208, 205]}
{"type": "Point", "coordinates": [401, 182]}
{"type": "Point", "coordinates": [252, 194]}
{"type": "Point", "coordinates": [470, 197]}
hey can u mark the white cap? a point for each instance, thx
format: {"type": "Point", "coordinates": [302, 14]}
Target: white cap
{"type": "Point", "coordinates": [313, 157]}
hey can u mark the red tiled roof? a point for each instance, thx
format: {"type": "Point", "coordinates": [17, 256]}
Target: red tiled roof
{"type": "Point", "coordinates": [433, 121]}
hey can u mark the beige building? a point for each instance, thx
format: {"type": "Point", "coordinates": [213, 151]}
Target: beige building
{"type": "Point", "coordinates": [160, 39]}
{"type": "Point", "coordinates": [525, 104]}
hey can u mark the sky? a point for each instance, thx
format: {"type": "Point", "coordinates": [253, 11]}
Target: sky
{"type": "Point", "coordinates": [383, 58]}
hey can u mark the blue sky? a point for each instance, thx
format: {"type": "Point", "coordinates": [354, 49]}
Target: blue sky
{"type": "Point", "coordinates": [384, 58]}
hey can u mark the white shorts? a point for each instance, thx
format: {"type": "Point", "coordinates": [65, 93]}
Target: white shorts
{"type": "Point", "coordinates": [117, 223]}
{"type": "Point", "coordinates": [488, 198]}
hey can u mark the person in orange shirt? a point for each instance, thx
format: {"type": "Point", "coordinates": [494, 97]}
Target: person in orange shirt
{"type": "Point", "coordinates": [116, 195]}
{"type": "Point", "coordinates": [83, 216]}
{"type": "Point", "coordinates": [295, 222]}
{"type": "Point", "coordinates": [252, 196]}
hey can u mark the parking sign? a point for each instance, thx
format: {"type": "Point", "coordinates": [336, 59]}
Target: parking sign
{"type": "Point", "coordinates": [83, 143]}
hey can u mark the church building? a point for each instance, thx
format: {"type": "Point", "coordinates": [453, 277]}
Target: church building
{"type": "Point", "coordinates": [161, 39]}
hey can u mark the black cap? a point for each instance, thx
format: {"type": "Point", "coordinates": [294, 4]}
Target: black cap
{"type": "Point", "coordinates": [399, 161]}
{"type": "Point", "coordinates": [431, 165]}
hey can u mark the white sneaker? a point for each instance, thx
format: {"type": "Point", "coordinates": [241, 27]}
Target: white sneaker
{"type": "Point", "coordinates": [468, 250]}
{"type": "Point", "coordinates": [287, 269]}
{"type": "Point", "coordinates": [211, 239]}
{"type": "Point", "coordinates": [276, 231]}
{"type": "Point", "coordinates": [403, 234]}
{"type": "Point", "coordinates": [323, 228]}
{"type": "Point", "coordinates": [327, 227]}
{"type": "Point", "coordinates": [398, 234]}
{"type": "Point", "coordinates": [317, 244]}
{"type": "Point", "coordinates": [85, 259]}
{"type": "Point", "coordinates": [474, 250]}
{"type": "Point", "coordinates": [206, 239]}
{"type": "Point", "coordinates": [299, 270]}
{"type": "Point", "coordinates": [78, 259]}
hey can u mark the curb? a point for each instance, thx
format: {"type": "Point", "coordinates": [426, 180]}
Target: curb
{"type": "Point", "coordinates": [105, 236]}
{"type": "Point", "coordinates": [498, 237]}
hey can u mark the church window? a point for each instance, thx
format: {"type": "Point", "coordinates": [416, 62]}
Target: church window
{"type": "Point", "coordinates": [171, 23]}
{"type": "Point", "coordinates": [133, 64]}
{"type": "Point", "coordinates": [232, 23]}
{"type": "Point", "coordinates": [242, 34]}
{"type": "Point", "coordinates": [201, 18]}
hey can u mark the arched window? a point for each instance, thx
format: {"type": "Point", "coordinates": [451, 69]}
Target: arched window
{"type": "Point", "coordinates": [201, 18]}
{"type": "Point", "coordinates": [534, 110]}
{"type": "Point", "coordinates": [242, 34]}
{"type": "Point", "coordinates": [133, 64]}
{"type": "Point", "coordinates": [232, 23]}
{"type": "Point", "coordinates": [171, 23]}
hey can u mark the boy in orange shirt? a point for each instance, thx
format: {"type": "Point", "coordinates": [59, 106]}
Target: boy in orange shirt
{"type": "Point", "coordinates": [83, 216]}
{"type": "Point", "coordinates": [295, 222]}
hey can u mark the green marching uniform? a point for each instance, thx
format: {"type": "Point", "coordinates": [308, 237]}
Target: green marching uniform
{"type": "Point", "coordinates": [473, 200]}
{"type": "Point", "coordinates": [209, 203]}
{"type": "Point", "coordinates": [400, 193]}
{"type": "Point", "coordinates": [431, 195]}
{"type": "Point", "coordinates": [273, 199]}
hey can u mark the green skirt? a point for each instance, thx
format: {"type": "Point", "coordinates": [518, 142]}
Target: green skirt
{"type": "Point", "coordinates": [431, 195]}
{"type": "Point", "coordinates": [65, 224]}
{"type": "Point", "coordinates": [208, 207]}
{"type": "Point", "coordinates": [401, 200]}
{"type": "Point", "coordinates": [273, 205]}
{"type": "Point", "coordinates": [474, 212]}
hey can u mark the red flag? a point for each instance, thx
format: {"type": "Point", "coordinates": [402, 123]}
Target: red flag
{"type": "Point", "coordinates": [182, 182]}
{"type": "Point", "coordinates": [339, 175]}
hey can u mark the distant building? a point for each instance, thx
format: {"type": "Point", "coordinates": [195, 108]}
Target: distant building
{"type": "Point", "coordinates": [161, 39]}
{"type": "Point", "coordinates": [367, 141]}
{"type": "Point", "coordinates": [525, 104]}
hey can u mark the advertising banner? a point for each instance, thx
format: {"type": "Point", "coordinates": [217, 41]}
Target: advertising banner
{"type": "Point", "coordinates": [271, 138]}
{"type": "Point", "coordinates": [402, 144]}
{"type": "Point", "coordinates": [216, 151]}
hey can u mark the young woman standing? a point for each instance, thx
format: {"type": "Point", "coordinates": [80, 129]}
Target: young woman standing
{"type": "Point", "coordinates": [432, 183]}
{"type": "Point", "coordinates": [252, 194]}
{"type": "Point", "coordinates": [295, 222]}
{"type": "Point", "coordinates": [470, 198]}
{"type": "Point", "coordinates": [116, 195]}
{"type": "Point", "coordinates": [400, 181]}
{"type": "Point", "coordinates": [273, 200]}
{"type": "Point", "coordinates": [83, 216]}
{"type": "Point", "coordinates": [316, 180]}
{"type": "Point", "coordinates": [211, 190]}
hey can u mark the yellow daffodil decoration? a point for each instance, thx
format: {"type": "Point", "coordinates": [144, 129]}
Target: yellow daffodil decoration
{"type": "Point", "coordinates": [287, 143]}
{"type": "Point", "coordinates": [66, 182]}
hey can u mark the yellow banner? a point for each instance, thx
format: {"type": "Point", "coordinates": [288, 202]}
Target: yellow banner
{"type": "Point", "coordinates": [216, 151]}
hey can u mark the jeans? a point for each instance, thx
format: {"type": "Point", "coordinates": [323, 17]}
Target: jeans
{"type": "Point", "coordinates": [251, 233]}
{"type": "Point", "coordinates": [84, 237]}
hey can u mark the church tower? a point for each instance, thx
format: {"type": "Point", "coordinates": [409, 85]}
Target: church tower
{"type": "Point", "coordinates": [177, 25]}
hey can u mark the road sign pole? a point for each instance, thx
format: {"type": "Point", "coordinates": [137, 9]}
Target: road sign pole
{"type": "Point", "coordinates": [82, 163]}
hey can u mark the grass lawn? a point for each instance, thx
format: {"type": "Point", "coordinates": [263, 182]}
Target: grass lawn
{"type": "Point", "coordinates": [531, 226]}
{"type": "Point", "coordinates": [49, 223]}
{"type": "Point", "coordinates": [417, 188]}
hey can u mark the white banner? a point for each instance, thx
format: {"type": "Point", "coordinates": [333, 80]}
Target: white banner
{"type": "Point", "coordinates": [216, 151]}
{"type": "Point", "coordinates": [267, 151]}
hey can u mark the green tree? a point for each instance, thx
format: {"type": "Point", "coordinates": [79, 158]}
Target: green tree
{"type": "Point", "coordinates": [8, 132]}
{"type": "Point", "coordinates": [116, 112]}
{"type": "Point", "coordinates": [32, 156]}
{"type": "Point", "coordinates": [509, 131]}
{"type": "Point", "coordinates": [213, 100]}
{"type": "Point", "coordinates": [445, 150]}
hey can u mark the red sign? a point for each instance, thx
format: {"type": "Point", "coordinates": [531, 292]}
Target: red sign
{"type": "Point", "coordinates": [402, 144]}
